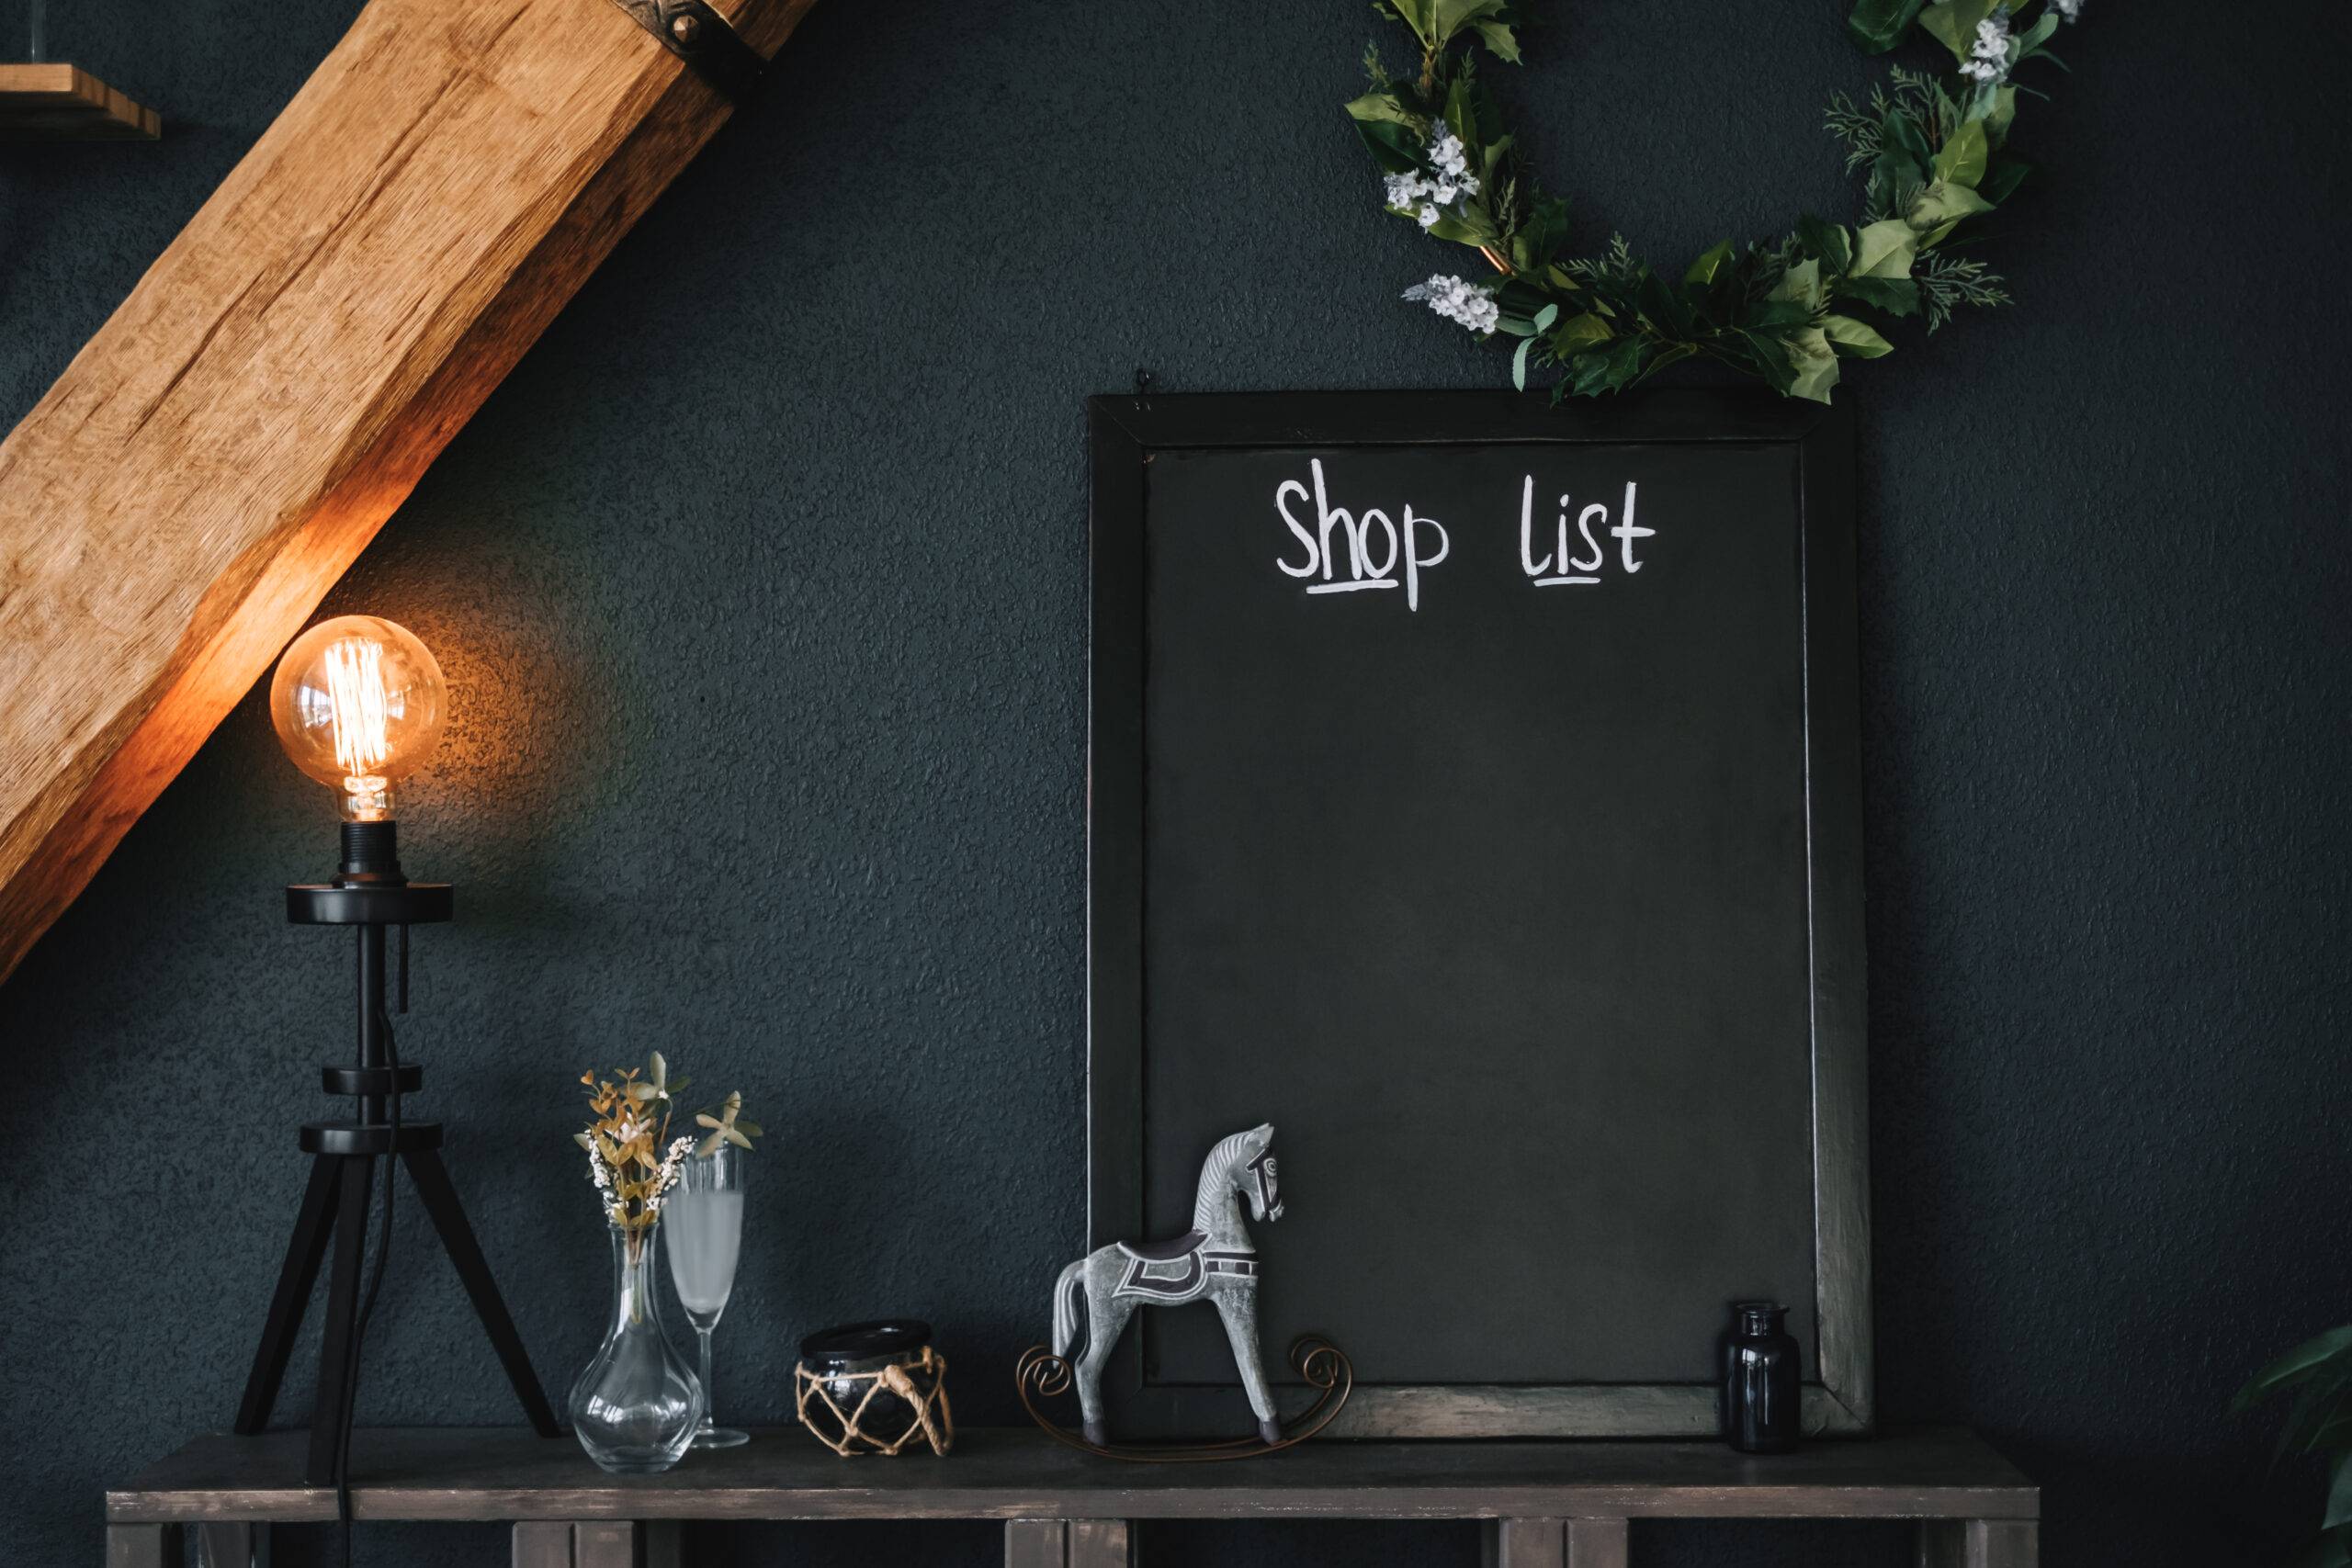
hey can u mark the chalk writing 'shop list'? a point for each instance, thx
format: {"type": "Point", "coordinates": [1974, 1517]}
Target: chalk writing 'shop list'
{"type": "Point", "coordinates": [1381, 551]}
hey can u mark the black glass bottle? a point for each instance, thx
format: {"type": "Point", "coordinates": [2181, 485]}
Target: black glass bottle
{"type": "Point", "coordinates": [1760, 1403]}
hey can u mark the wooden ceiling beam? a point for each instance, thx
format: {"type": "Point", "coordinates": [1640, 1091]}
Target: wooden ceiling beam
{"type": "Point", "coordinates": [178, 504]}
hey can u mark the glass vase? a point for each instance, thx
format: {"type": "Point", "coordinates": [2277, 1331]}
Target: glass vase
{"type": "Point", "coordinates": [637, 1404]}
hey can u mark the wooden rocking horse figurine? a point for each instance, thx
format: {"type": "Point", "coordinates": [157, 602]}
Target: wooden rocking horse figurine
{"type": "Point", "coordinates": [1097, 1294]}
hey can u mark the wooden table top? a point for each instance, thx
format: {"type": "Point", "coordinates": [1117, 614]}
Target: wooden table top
{"type": "Point", "coordinates": [460, 1474]}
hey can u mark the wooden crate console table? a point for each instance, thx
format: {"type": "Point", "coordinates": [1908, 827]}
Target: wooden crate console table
{"type": "Point", "coordinates": [1545, 1504]}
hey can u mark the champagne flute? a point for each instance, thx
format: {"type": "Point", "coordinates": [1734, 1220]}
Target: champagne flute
{"type": "Point", "coordinates": [702, 1224]}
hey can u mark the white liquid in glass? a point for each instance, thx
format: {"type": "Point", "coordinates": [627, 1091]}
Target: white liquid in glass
{"type": "Point", "coordinates": [706, 1233]}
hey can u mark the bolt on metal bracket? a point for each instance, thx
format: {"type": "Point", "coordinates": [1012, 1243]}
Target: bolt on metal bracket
{"type": "Point", "coordinates": [712, 48]}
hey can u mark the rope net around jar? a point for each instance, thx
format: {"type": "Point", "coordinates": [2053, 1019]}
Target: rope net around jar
{"type": "Point", "coordinates": [843, 1430]}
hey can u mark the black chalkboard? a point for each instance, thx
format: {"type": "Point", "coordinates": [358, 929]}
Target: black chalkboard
{"type": "Point", "coordinates": [1474, 795]}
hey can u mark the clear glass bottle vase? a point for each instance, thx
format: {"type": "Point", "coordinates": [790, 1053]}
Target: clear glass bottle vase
{"type": "Point", "coordinates": [637, 1402]}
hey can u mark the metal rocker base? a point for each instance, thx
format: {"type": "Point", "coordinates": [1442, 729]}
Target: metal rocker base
{"type": "Point", "coordinates": [1321, 1363]}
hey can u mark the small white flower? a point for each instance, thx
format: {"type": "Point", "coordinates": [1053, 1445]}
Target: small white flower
{"type": "Point", "coordinates": [1425, 196]}
{"type": "Point", "coordinates": [1447, 154]}
{"type": "Point", "coordinates": [1988, 58]}
{"type": "Point", "coordinates": [1458, 300]}
{"type": "Point", "coordinates": [668, 1174]}
{"type": "Point", "coordinates": [2071, 10]}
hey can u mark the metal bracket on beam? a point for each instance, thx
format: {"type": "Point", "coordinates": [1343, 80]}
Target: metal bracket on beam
{"type": "Point", "coordinates": [712, 48]}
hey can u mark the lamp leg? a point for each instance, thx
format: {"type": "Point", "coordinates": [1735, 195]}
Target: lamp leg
{"type": "Point", "coordinates": [432, 1178]}
{"type": "Point", "coordinates": [357, 1183]}
{"type": "Point", "coordinates": [304, 1253]}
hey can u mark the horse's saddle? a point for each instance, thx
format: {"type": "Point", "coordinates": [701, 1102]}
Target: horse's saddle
{"type": "Point", "coordinates": [1179, 1269]}
{"type": "Point", "coordinates": [1174, 1250]}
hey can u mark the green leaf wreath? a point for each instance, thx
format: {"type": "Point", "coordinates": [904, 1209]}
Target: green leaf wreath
{"type": "Point", "coordinates": [1935, 149]}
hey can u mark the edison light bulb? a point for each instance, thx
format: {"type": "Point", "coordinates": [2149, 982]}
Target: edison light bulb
{"type": "Point", "coordinates": [358, 703]}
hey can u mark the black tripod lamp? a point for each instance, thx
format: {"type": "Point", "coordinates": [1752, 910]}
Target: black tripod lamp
{"type": "Point", "coordinates": [358, 703]}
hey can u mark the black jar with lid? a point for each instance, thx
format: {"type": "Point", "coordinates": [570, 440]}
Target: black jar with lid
{"type": "Point", "coordinates": [873, 1387]}
{"type": "Point", "coordinates": [1761, 1395]}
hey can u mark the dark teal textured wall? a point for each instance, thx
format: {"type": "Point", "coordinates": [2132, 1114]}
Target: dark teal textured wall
{"type": "Point", "coordinates": [762, 587]}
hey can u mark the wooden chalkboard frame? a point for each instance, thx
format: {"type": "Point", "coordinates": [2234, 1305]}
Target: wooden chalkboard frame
{"type": "Point", "coordinates": [1125, 433]}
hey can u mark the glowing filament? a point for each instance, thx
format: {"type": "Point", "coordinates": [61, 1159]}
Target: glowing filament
{"type": "Point", "coordinates": [355, 672]}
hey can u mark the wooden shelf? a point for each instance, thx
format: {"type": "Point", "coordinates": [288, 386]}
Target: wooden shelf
{"type": "Point", "coordinates": [452, 1474]}
{"type": "Point", "coordinates": [1543, 1497]}
{"type": "Point", "coordinates": [65, 103]}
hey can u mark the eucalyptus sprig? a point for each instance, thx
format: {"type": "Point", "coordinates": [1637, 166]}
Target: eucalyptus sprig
{"type": "Point", "coordinates": [1936, 153]}
{"type": "Point", "coordinates": [726, 1125]}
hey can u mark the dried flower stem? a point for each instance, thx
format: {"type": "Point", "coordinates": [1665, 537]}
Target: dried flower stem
{"type": "Point", "coordinates": [632, 1159]}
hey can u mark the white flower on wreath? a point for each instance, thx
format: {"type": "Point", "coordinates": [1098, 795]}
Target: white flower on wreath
{"type": "Point", "coordinates": [1988, 57]}
{"type": "Point", "coordinates": [1405, 193]}
{"type": "Point", "coordinates": [1448, 156]}
{"type": "Point", "coordinates": [1458, 300]}
{"type": "Point", "coordinates": [1426, 195]}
